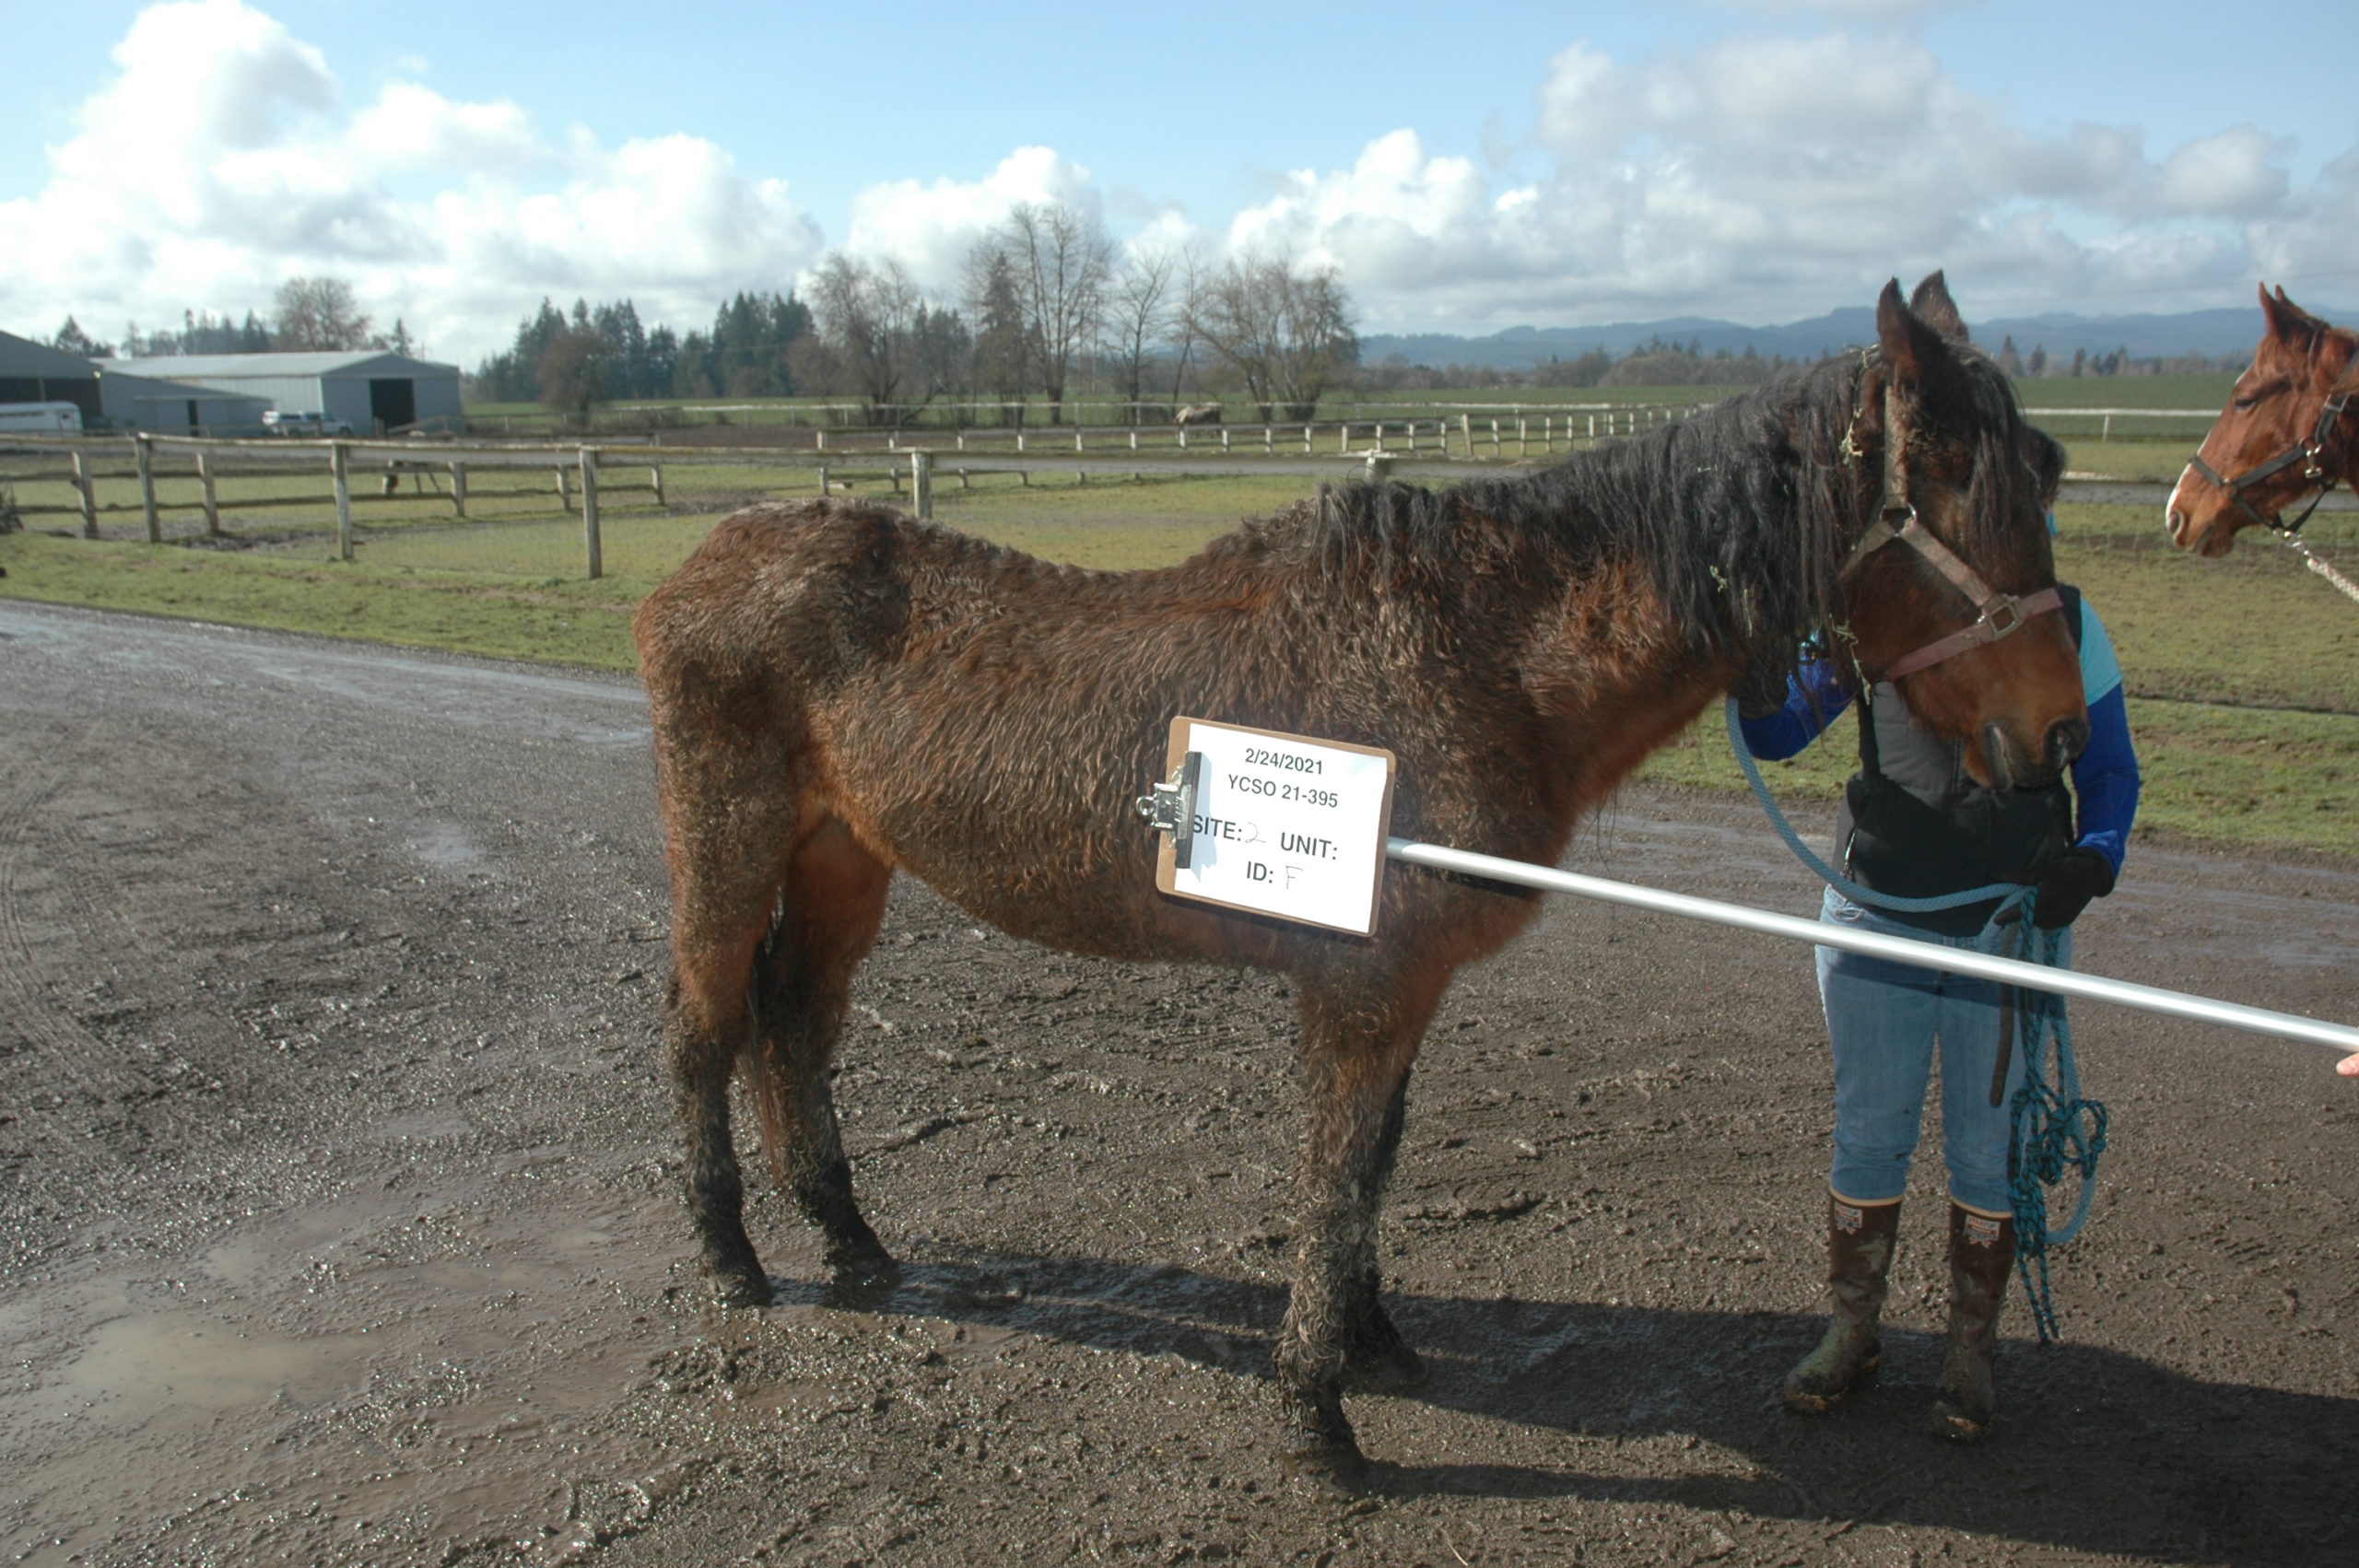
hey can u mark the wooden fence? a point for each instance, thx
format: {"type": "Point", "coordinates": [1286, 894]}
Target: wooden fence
{"type": "Point", "coordinates": [587, 475]}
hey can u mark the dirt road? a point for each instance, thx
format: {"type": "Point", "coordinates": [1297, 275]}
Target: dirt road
{"type": "Point", "coordinates": [337, 1189]}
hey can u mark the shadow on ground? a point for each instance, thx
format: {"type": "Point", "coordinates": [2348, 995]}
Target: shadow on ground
{"type": "Point", "coordinates": [2096, 1451]}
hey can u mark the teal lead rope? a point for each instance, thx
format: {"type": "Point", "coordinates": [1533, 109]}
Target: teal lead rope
{"type": "Point", "coordinates": [2054, 1129]}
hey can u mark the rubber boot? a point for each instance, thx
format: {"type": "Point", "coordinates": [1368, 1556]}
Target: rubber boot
{"type": "Point", "coordinates": [1859, 1239]}
{"type": "Point", "coordinates": [1982, 1253]}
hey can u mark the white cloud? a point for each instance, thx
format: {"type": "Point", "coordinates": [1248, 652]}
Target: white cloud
{"type": "Point", "coordinates": [928, 227]}
{"type": "Point", "coordinates": [1762, 177]}
{"type": "Point", "coordinates": [222, 159]}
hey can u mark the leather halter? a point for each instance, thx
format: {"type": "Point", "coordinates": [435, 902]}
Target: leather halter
{"type": "Point", "coordinates": [1997, 614]}
{"type": "Point", "coordinates": [2311, 454]}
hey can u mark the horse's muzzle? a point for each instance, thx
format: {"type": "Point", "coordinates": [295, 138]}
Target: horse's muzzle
{"type": "Point", "coordinates": [2011, 767]}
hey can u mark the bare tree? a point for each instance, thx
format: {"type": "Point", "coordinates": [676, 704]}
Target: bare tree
{"type": "Point", "coordinates": [1141, 304]}
{"type": "Point", "coordinates": [1287, 335]}
{"type": "Point", "coordinates": [318, 312]}
{"type": "Point", "coordinates": [866, 341]}
{"type": "Point", "coordinates": [1060, 259]}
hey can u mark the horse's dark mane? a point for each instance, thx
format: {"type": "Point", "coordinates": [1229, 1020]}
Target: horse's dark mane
{"type": "Point", "coordinates": [1736, 513]}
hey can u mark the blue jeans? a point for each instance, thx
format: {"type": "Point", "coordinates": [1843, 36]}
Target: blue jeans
{"type": "Point", "coordinates": [1883, 1019]}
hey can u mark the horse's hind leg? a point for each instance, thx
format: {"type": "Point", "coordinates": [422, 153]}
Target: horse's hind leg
{"type": "Point", "coordinates": [1377, 1359]}
{"type": "Point", "coordinates": [721, 915]}
{"type": "Point", "coordinates": [1356, 1051]}
{"type": "Point", "coordinates": [826, 919]}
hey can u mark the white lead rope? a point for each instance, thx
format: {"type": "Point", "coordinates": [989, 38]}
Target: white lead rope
{"type": "Point", "coordinates": [2320, 565]}
{"type": "Point", "coordinates": [1819, 934]}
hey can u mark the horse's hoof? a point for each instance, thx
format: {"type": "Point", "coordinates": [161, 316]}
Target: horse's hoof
{"type": "Point", "coordinates": [1395, 1369]}
{"type": "Point", "coordinates": [1330, 1469]}
{"type": "Point", "coordinates": [742, 1287]}
{"type": "Point", "coordinates": [1956, 1424]}
{"type": "Point", "coordinates": [862, 1282]}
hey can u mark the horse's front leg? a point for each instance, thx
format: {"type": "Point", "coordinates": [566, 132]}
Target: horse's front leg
{"type": "Point", "coordinates": [1356, 1050]}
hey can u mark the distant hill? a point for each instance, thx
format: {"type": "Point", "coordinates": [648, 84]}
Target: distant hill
{"type": "Point", "coordinates": [2146, 336]}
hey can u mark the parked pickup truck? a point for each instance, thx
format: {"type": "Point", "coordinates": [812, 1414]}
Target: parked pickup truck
{"type": "Point", "coordinates": [291, 422]}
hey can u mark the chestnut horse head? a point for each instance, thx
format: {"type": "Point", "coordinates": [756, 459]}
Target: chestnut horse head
{"type": "Point", "coordinates": [1964, 480]}
{"type": "Point", "coordinates": [2287, 436]}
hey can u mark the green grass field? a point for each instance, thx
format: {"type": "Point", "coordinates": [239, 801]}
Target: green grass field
{"type": "Point", "coordinates": [2243, 674]}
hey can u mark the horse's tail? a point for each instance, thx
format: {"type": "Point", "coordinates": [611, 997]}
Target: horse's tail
{"type": "Point", "coordinates": [768, 998]}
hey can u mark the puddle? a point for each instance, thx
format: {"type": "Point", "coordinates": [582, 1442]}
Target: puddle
{"type": "Point", "coordinates": [466, 1384]}
{"type": "Point", "coordinates": [445, 844]}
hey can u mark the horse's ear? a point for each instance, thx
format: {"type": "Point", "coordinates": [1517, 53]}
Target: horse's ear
{"type": "Point", "coordinates": [1931, 304]}
{"type": "Point", "coordinates": [2288, 323]}
{"type": "Point", "coordinates": [1910, 347]}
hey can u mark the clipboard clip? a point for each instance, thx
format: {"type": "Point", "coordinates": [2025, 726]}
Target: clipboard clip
{"type": "Point", "coordinates": [1171, 807]}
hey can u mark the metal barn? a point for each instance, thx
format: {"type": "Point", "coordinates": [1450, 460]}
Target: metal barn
{"type": "Point", "coordinates": [181, 408]}
{"type": "Point", "coordinates": [370, 391]}
{"type": "Point", "coordinates": [32, 373]}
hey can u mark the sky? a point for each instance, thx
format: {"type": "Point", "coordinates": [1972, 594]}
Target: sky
{"type": "Point", "coordinates": [1464, 168]}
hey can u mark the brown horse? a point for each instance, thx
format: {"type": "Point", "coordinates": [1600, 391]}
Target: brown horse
{"type": "Point", "coordinates": [2290, 431]}
{"type": "Point", "coordinates": [841, 691]}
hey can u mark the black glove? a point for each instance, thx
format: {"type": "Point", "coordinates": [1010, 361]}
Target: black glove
{"type": "Point", "coordinates": [2066, 885]}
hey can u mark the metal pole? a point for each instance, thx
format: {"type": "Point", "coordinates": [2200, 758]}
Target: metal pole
{"type": "Point", "coordinates": [922, 481]}
{"type": "Point", "coordinates": [1958, 961]}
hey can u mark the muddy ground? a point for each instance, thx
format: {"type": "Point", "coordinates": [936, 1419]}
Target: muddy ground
{"type": "Point", "coordinates": [338, 1194]}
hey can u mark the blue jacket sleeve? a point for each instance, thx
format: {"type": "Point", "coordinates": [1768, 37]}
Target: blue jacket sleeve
{"type": "Point", "coordinates": [1814, 694]}
{"type": "Point", "coordinates": [2105, 779]}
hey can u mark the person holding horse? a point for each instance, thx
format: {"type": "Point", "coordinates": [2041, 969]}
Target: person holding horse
{"type": "Point", "coordinates": [1916, 825]}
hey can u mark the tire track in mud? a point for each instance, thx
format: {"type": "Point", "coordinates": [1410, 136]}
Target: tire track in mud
{"type": "Point", "coordinates": [62, 1045]}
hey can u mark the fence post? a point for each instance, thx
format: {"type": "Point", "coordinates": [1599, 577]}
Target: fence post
{"type": "Point", "coordinates": [564, 489]}
{"type": "Point", "coordinates": [1181, 431]}
{"type": "Point", "coordinates": [340, 468]}
{"type": "Point", "coordinates": [1306, 438]}
{"type": "Point", "coordinates": [147, 488]}
{"type": "Point", "coordinates": [1343, 438]}
{"type": "Point", "coordinates": [921, 482]}
{"type": "Point", "coordinates": [458, 489]}
{"type": "Point", "coordinates": [1379, 467]}
{"type": "Point", "coordinates": [212, 502]}
{"type": "Point", "coordinates": [1522, 436]}
{"type": "Point", "coordinates": [89, 493]}
{"type": "Point", "coordinates": [1466, 432]}
{"type": "Point", "coordinates": [1269, 440]}
{"type": "Point", "coordinates": [590, 513]}
{"type": "Point", "coordinates": [655, 480]}
{"type": "Point", "coordinates": [820, 438]}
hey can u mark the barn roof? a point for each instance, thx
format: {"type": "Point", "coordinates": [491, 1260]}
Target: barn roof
{"type": "Point", "coordinates": [327, 363]}
{"type": "Point", "coordinates": [23, 356]}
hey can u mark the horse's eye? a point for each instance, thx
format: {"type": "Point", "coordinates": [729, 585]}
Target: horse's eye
{"type": "Point", "coordinates": [2257, 396]}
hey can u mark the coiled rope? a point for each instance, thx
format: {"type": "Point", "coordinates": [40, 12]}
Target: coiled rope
{"type": "Point", "coordinates": [2053, 1129]}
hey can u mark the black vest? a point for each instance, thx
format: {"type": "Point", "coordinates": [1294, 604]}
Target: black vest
{"type": "Point", "coordinates": [1915, 825]}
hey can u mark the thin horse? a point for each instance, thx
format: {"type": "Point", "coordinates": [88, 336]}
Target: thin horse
{"type": "Point", "coordinates": [2290, 431]}
{"type": "Point", "coordinates": [840, 692]}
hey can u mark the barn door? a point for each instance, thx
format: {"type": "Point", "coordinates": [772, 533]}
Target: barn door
{"type": "Point", "coordinates": [393, 402]}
